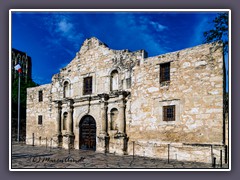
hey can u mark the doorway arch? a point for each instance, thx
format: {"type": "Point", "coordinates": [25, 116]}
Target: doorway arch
{"type": "Point", "coordinates": [87, 133]}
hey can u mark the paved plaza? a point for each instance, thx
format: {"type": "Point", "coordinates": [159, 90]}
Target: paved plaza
{"type": "Point", "coordinates": [35, 157]}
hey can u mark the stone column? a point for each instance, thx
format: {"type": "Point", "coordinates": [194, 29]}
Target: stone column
{"type": "Point", "coordinates": [121, 145]}
{"type": "Point", "coordinates": [104, 117]}
{"type": "Point", "coordinates": [103, 143]}
{"type": "Point", "coordinates": [68, 138]}
{"type": "Point", "coordinates": [70, 118]}
{"type": "Point", "coordinates": [104, 98]}
{"type": "Point", "coordinates": [70, 122]}
{"type": "Point", "coordinates": [58, 137]}
{"type": "Point", "coordinates": [109, 121]}
{"type": "Point", "coordinates": [58, 119]}
{"type": "Point", "coordinates": [121, 115]}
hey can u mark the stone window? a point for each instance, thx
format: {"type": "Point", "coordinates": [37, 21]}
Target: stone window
{"type": "Point", "coordinates": [114, 80]}
{"type": "Point", "coordinates": [66, 89]}
{"type": "Point", "coordinates": [114, 116]}
{"type": "Point", "coordinates": [129, 83]}
{"type": "Point", "coordinates": [65, 121]}
{"type": "Point", "coordinates": [87, 85]}
{"type": "Point", "coordinates": [164, 72]}
{"type": "Point", "coordinates": [169, 113]}
{"type": "Point", "coordinates": [40, 96]}
{"type": "Point", "coordinates": [40, 119]}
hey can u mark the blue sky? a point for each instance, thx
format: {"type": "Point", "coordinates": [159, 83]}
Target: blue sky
{"type": "Point", "coordinates": [53, 38]}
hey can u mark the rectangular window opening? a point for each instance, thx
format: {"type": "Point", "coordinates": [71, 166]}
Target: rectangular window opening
{"type": "Point", "coordinates": [40, 96]}
{"type": "Point", "coordinates": [87, 85]}
{"type": "Point", "coordinates": [40, 119]}
{"type": "Point", "coordinates": [164, 72]}
{"type": "Point", "coordinates": [129, 83]}
{"type": "Point", "coordinates": [169, 113]}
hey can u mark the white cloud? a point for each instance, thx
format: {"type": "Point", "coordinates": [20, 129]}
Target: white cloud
{"type": "Point", "coordinates": [158, 27]}
{"type": "Point", "coordinates": [202, 25]}
{"type": "Point", "coordinates": [64, 26]}
{"type": "Point", "coordinates": [145, 30]}
{"type": "Point", "coordinates": [62, 29]}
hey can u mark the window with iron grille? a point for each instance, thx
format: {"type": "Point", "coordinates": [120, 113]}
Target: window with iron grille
{"type": "Point", "coordinates": [87, 85]}
{"type": "Point", "coordinates": [169, 113]}
{"type": "Point", "coordinates": [164, 72]}
{"type": "Point", "coordinates": [40, 119]}
{"type": "Point", "coordinates": [40, 96]}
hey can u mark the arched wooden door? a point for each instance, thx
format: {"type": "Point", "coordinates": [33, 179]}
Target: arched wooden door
{"type": "Point", "coordinates": [87, 133]}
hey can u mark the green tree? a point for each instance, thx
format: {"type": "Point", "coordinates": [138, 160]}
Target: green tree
{"type": "Point", "coordinates": [23, 94]}
{"type": "Point", "coordinates": [219, 31]}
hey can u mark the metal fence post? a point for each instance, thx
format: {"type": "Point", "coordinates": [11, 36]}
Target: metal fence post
{"type": "Point", "coordinates": [51, 145]}
{"type": "Point", "coordinates": [168, 152]}
{"type": "Point", "coordinates": [133, 148]}
{"type": "Point", "coordinates": [46, 142]}
{"type": "Point", "coordinates": [33, 139]}
{"type": "Point", "coordinates": [226, 154]}
{"type": "Point", "coordinates": [214, 162]}
{"type": "Point", "coordinates": [220, 158]}
{"type": "Point", "coordinates": [212, 153]}
{"type": "Point", "coordinates": [68, 145]}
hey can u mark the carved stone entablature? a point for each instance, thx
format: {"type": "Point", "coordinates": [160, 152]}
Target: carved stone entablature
{"type": "Point", "coordinates": [69, 101]}
{"type": "Point", "coordinates": [118, 93]}
{"type": "Point", "coordinates": [104, 96]}
{"type": "Point", "coordinates": [125, 93]}
{"type": "Point", "coordinates": [119, 135]}
{"type": "Point", "coordinates": [88, 98]}
{"type": "Point", "coordinates": [58, 103]}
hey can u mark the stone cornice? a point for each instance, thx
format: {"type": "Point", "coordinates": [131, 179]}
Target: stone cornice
{"type": "Point", "coordinates": [106, 96]}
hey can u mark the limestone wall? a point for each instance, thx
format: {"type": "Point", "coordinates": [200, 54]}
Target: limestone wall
{"type": "Point", "coordinates": [46, 109]}
{"type": "Point", "coordinates": [195, 87]}
{"type": "Point", "coordinates": [178, 151]}
{"type": "Point", "coordinates": [97, 60]}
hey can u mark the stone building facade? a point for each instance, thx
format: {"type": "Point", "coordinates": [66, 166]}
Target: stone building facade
{"type": "Point", "coordinates": [117, 101]}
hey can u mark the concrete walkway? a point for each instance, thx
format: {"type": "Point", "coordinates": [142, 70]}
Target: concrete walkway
{"type": "Point", "coordinates": [35, 157]}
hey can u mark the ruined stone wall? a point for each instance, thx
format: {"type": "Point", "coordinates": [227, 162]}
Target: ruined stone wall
{"type": "Point", "coordinates": [44, 108]}
{"type": "Point", "coordinates": [94, 59]}
{"type": "Point", "coordinates": [97, 60]}
{"type": "Point", "coordinates": [195, 88]}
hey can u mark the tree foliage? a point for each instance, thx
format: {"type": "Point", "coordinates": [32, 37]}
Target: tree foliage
{"type": "Point", "coordinates": [219, 32]}
{"type": "Point", "coordinates": [23, 96]}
